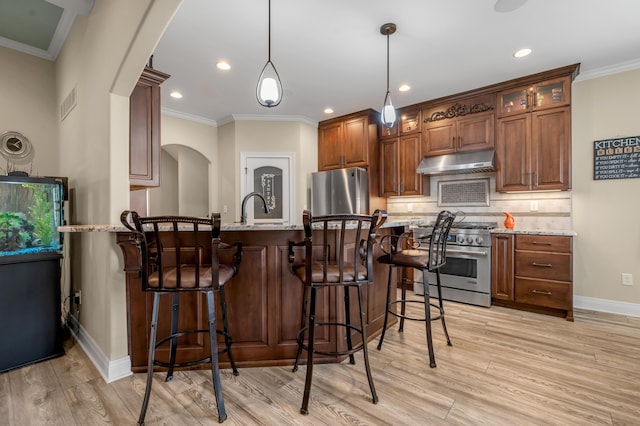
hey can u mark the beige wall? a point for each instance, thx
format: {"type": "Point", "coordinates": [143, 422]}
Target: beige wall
{"type": "Point", "coordinates": [265, 136]}
{"type": "Point", "coordinates": [605, 212]}
{"type": "Point", "coordinates": [28, 106]}
{"type": "Point", "coordinates": [103, 57]}
{"type": "Point", "coordinates": [163, 200]}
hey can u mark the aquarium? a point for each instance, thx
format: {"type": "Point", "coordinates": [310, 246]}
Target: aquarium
{"type": "Point", "coordinates": [31, 209]}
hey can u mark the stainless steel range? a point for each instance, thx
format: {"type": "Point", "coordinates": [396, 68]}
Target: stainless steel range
{"type": "Point", "coordinates": [466, 277]}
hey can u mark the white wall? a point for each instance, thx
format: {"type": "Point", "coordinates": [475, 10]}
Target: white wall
{"type": "Point", "coordinates": [605, 212]}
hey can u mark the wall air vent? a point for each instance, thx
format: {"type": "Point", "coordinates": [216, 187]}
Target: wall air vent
{"type": "Point", "coordinates": [68, 104]}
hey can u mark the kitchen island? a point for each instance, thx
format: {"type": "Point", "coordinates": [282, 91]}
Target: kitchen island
{"type": "Point", "coordinates": [263, 300]}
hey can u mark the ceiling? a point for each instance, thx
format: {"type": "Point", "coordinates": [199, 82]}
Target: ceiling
{"type": "Point", "coordinates": [39, 27]}
{"type": "Point", "coordinates": [330, 53]}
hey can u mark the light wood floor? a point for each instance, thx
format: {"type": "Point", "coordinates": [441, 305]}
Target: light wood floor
{"type": "Point", "coordinates": [505, 367]}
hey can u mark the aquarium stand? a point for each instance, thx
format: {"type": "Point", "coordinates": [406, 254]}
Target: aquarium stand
{"type": "Point", "coordinates": [30, 309]}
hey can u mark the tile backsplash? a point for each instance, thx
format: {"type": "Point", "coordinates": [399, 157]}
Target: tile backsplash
{"type": "Point", "coordinates": [532, 210]}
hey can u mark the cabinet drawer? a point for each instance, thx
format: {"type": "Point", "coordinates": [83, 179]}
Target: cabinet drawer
{"type": "Point", "coordinates": [554, 243]}
{"type": "Point", "coordinates": [549, 266]}
{"type": "Point", "coordinates": [544, 293]}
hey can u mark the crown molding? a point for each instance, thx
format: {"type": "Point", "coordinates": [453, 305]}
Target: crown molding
{"type": "Point", "coordinates": [609, 70]}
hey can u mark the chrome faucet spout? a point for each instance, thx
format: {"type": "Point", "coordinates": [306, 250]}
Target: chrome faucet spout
{"type": "Point", "coordinates": [243, 213]}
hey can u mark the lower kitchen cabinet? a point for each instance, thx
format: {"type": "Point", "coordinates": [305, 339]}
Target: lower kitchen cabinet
{"type": "Point", "coordinates": [533, 272]}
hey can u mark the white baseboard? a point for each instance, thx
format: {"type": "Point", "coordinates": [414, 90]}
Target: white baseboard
{"type": "Point", "coordinates": [109, 370]}
{"type": "Point", "coordinates": [603, 305]}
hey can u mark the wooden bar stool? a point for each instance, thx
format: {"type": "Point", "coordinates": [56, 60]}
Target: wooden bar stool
{"type": "Point", "coordinates": [182, 254]}
{"type": "Point", "coordinates": [402, 251]}
{"type": "Point", "coordinates": [338, 253]}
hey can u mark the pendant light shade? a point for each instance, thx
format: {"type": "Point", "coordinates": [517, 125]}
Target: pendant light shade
{"type": "Point", "coordinates": [269, 89]}
{"type": "Point", "coordinates": [388, 114]}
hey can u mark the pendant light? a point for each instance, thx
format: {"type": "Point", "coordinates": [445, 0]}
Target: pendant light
{"type": "Point", "coordinates": [388, 114]}
{"type": "Point", "coordinates": [269, 89]}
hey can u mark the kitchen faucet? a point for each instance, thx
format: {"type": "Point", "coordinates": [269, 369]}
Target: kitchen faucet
{"type": "Point", "coordinates": [243, 214]}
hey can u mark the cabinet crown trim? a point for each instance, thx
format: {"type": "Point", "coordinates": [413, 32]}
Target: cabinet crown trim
{"type": "Point", "coordinates": [458, 110]}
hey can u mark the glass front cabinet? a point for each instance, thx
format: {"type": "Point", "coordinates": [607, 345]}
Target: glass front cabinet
{"type": "Point", "coordinates": [540, 96]}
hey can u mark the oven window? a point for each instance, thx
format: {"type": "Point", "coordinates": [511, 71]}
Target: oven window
{"type": "Point", "coordinates": [460, 267]}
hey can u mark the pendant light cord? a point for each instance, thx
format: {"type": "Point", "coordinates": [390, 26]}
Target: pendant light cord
{"type": "Point", "coordinates": [269, 38]}
{"type": "Point", "coordinates": [387, 60]}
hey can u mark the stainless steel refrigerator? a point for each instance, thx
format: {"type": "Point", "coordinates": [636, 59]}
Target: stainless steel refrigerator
{"type": "Point", "coordinates": [340, 191]}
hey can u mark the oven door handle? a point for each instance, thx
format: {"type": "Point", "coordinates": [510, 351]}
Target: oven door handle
{"type": "Point", "coordinates": [468, 252]}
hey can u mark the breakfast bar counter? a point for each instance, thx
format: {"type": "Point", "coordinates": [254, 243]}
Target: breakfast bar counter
{"type": "Point", "coordinates": [263, 299]}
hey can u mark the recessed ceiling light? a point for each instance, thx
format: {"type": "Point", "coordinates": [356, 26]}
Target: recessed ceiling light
{"type": "Point", "coordinates": [522, 53]}
{"type": "Point", "coordinates": [223, 65]}
{"type": "Point", "coordinates": [175, 94]}
{"type": "Point", "coordinates": [328, 110]}
{"type": "Point", "coordinates": [404, 88]}
{"type": "Point", "coordinates": [508, 5]}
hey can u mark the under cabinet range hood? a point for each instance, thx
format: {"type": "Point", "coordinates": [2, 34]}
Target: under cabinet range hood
{"type": "Point", "coordinates": [459, 162]}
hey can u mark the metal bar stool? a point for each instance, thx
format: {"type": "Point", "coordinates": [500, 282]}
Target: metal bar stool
{"type": "Point", "coordinates": [427, 256]}
{"type": "Point", "coordinates": [182, 254]}
{"type": "Point", "coordinates": [341, 257]}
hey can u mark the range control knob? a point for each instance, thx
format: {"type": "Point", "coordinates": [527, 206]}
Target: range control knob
{"type": "Point", "coordinates": [469, 240]}
{"type": "Point", "coordinates": [479, 240]}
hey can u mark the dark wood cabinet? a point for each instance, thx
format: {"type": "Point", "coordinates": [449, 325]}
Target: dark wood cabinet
{"type": "Point", "coordinates": [533, 136]}
{"type": "Point", "coordinates": [534, 151]}
{"type": "Point", "coordinates": [144, 130]}
{"type": "Point", "coordinates": [400, 156]}
{"type": "Point", "coordinates": [533, 272]}
{"type": "Point", "coordinates": [399, 159]}
{"type": "Point", "coordinates": [349, 141]}
{"type": "Point", "coordinates": [502, 266]}
{"type": "Point", "coordinates": [263, 304]}
{"type": "Point", "coordinates": [465, 125]}
{"type": "Point", "coordinates": [537, 96]}
{"type": "Point", "coordinates": [352, 141]}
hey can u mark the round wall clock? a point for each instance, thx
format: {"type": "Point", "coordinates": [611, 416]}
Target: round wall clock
{"type": "Point", "coordinates": [16, 148]}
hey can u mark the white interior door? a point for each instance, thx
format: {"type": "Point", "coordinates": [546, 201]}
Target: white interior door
{"type": "Point", "coordinates": [270, 175]}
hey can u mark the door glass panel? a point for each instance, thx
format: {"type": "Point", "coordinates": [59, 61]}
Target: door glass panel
{"type": "Point", "coordinates": [514, 101]}
{"type": "Point", "coordinates": [549, 94]}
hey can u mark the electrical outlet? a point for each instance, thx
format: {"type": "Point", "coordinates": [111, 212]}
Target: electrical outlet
{"type": "Point", "coordinates": [627, 279]}
{"type": "Point", "coordinates": [409, 207]}
{"type": "Point", "coordinates": [77, 297]}
{"type": "Point", "coordinates": [224, 209]}
{"type": "Point", "coordinates": [533, 205]}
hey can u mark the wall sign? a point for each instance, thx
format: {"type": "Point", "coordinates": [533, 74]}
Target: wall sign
{"type": "Point", "coordinates": [616, 158]}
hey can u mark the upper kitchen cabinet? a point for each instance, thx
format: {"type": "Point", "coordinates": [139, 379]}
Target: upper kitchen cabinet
{"type": "Point", "coordinates": [352, 141]}
{"type": "Point", "coordinates": [144, 130]}
{"type": "Point", "coordinates": [533, 136]}
{"type": "Point", "coordinates": [535, 97]}
{"type": "Point", "coordinates": [465, 125]}
{"type": "Point", "coordinates": [534, 151]}
{"type": "Point", "coordinates": [348, 141]}
{"type": "Point", "coordinates": [399, 159]}
{"type": "Point", "coordinates": [400, 156]}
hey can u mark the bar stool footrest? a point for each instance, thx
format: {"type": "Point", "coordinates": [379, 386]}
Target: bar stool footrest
{"type": "Point", "coordinates": [349, 327]}
{"type": "Point", "coordinates": [433, 317]}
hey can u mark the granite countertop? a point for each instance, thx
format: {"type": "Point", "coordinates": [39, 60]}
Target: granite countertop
{"type": "Point", "coordinates": [560, 232]}
{"type": "Point", "coordinates": [228, 226]}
